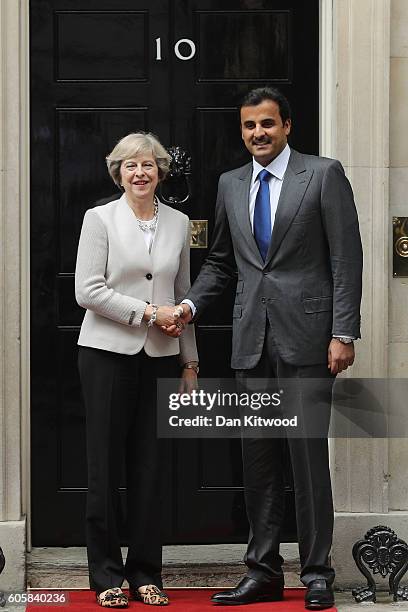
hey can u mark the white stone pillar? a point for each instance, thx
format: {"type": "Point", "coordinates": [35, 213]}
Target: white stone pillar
{"type": "Point", "coordinates": [361, 141]}
{"type": "Point", "coordinates": [12, 522]}
{"type": "Point", "coordinates": [398, 353]}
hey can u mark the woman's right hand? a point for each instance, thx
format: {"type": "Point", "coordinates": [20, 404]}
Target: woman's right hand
{"type": "Point", "coordinates": [165, 320]}
{"type": "Point", "coordinates": [165, 316]}
{"type": "Point", "coordinates": [167, 323]}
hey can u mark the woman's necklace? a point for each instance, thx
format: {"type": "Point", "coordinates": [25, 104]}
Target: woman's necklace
{"type": "Point", "coordinates": [150, 225]}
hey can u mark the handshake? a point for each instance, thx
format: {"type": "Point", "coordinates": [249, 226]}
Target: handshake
{"type": "Point", "coordinates": [171, 319]}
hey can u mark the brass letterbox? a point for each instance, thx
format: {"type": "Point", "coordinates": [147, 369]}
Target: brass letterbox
{"type": "Point", "coordinates": [400, 246]}
{"type": "Point", "coordinates": [199, 234]}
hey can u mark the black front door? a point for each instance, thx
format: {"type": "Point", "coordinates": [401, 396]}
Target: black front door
{"type": "Point", "coordinates": [99, 70]}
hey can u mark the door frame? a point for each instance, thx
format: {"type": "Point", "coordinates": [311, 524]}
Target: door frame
{"type": "Point", "coordinates": [326, 130]}
{"type": "Point", "coordinates": [25, 242]}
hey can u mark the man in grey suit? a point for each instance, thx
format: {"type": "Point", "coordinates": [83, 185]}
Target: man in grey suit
{"type": "Point", "coordinates": [287, 224]}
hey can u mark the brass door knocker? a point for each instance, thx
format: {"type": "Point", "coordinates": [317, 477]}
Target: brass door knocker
{"type": "Point", "coordinates": [176, 188]}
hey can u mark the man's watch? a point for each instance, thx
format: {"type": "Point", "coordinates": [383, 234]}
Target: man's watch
{"type": "Point", "coordinates": [344, 340]}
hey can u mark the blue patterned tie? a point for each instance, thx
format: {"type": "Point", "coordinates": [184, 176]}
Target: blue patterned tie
{"type": "Point", "coordinates": [262, 214]}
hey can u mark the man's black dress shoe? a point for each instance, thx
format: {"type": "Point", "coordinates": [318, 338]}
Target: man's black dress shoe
{"type": "Point", "coordinates": [249, 591]}
{"type": "Point", "coordinates": [319, 595]}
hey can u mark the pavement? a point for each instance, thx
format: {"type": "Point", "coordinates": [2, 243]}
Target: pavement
{"type": "Point", "coordinates": [345, 603]}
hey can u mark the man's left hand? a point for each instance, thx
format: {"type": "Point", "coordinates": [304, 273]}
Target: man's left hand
{"type": "Point", "coordinates": [340, 356]}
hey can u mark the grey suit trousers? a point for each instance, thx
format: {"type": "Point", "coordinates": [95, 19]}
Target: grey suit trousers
{"type": "Point", "coordinates": [263, 479]}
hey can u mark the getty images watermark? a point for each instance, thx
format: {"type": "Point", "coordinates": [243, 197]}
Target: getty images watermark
{"type": "Point", "coordinates": [223, 408]}
{"type": "Point", "coordinates": [221, 400]}
{"type": "Point", "coordinates": [296, 407]}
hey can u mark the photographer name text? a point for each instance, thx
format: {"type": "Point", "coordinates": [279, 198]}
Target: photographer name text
{"type": "Point", "coordinates": [222, 421]}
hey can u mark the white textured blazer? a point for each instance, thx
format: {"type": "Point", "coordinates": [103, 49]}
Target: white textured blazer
{"type": "Point", "coordinates": [116, 277]}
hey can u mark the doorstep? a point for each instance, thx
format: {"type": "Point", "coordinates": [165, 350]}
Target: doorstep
{"type": "Point", "coordinates": [213, 565]}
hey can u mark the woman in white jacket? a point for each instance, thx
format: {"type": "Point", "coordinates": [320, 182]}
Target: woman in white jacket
{"type": "Point", "coordinates": [133, 266]}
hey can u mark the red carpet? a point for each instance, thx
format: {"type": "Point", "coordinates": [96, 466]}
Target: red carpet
{"type": "Point", "coordinates": [181, 600]}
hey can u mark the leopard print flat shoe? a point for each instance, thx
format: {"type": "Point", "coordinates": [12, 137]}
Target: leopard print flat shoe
{"type": "Point", "coordinates": [113, 598]}
{"type": "Point", "coordinates": [151, 595]}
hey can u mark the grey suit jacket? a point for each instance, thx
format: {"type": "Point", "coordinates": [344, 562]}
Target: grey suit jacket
{"type": "Point", "coordinates": [310, 284]}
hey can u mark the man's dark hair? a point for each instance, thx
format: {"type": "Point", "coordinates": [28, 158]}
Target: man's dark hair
{"type": "Point", "coordinates": [256, 96]}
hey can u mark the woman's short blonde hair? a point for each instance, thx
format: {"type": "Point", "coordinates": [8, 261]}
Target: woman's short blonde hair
{"type": "Point", "coordinates": [132, 145]}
